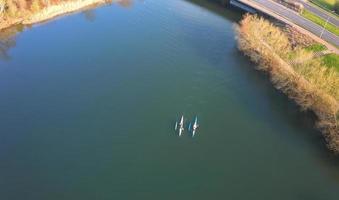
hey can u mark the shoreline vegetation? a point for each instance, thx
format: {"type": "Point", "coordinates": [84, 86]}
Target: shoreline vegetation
{"type": "Point", "coordinates": [295, 69]}
{"type": "Point", "coordinates": [28, 12]}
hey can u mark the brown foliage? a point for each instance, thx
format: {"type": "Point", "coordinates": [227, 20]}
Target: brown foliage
{"type": "Point", "coordinates": [18, 8]}
{"type": "Point", "coordinates": [313, 86]}
{"type": "Point", "coordinates": [14, 12]}
{"type": "Point", "coordinates": [296, 38]}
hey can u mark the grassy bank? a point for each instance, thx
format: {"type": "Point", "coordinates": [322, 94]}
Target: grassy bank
{"type": "Point", "coordinates": [295, 71]}
{"type": "Point", "coordinates": [320, 21]}
{"type": "Point", "coordinates": [14, 12]}
{"type": "Point", "coordinates": [315, 48]}
{"type": "Point", "coordinates": [331, 60]}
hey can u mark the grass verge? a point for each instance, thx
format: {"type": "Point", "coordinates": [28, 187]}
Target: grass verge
{"type": "Point", "coordinates": [318, 20]}
{"type": "Point", "coordinates": [315, 48]}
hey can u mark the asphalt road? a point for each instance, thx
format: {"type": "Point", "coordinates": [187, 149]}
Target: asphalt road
{"type": "Point", "coordinates": [296, 19]}
{"type": "Point", "coordinates": [321, 13]}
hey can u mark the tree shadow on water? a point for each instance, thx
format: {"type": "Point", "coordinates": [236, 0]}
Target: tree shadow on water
{"type": "Point", "coordinates": [220, 8]}
{"type": "Point", "coordinates": [8, 41]}
{"type": "Point", "coordinates": [285, 109]}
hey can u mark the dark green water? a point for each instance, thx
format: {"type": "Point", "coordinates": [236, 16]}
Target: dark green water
{"type": "Point", "coordinates": [88, 102]}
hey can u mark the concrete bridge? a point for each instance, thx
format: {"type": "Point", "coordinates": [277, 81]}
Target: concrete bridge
{"type": "Point", "coordinates": [243, 6]}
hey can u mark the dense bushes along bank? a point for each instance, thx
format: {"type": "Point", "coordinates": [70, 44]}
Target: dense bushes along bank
{"type": "Point", "coordinates": [295, 71]}
{"type": "Point", "coordinates": [32, 11]}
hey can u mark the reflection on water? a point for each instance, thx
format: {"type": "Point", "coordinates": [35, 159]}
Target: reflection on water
{"type": "Point", "coordinates": [125, 3]}
{"type": "Point", "coordinates": [89, 15]}
{"type": "Point", "coordinates": [7, 36]}
{"type": "Point", "coordinates": [86, 110]}
{"type": "Point", "coordinates": [218, 7]}
{"type": "Point", "coordinates": [7, 41]}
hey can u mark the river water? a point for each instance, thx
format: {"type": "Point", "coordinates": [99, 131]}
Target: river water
{"type": "Point", "coordinates": [88, 104]}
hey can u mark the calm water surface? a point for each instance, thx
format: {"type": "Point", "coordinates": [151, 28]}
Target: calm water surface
{"type": "Point", "coordinates": [88, 103]}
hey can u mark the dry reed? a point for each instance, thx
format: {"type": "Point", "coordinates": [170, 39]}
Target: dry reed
{"type": "Point", "coordinates": [305, 80]}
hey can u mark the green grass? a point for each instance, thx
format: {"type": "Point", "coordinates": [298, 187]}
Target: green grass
{"type": "Point", "coordinates": [331, 60]}
{"type": "Point", "coordinates": [328, 4]}
{"type": "Point", "coordinates": [331, 6]}
{"type": "Point", "coordinates": [314, 18]}
{"type": "Point", "coordinates": [316, 47]}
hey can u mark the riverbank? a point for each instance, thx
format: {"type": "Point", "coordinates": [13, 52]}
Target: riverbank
{"type": "Point", "coordinates": [40, 13]}
{"type": "Point", "coordinates": [296, 71]}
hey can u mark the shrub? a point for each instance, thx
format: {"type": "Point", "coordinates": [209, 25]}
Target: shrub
{"type": "Point", "coordinates": [35, 6]}
{"type": "Point", "coordinates": [12, 9]}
